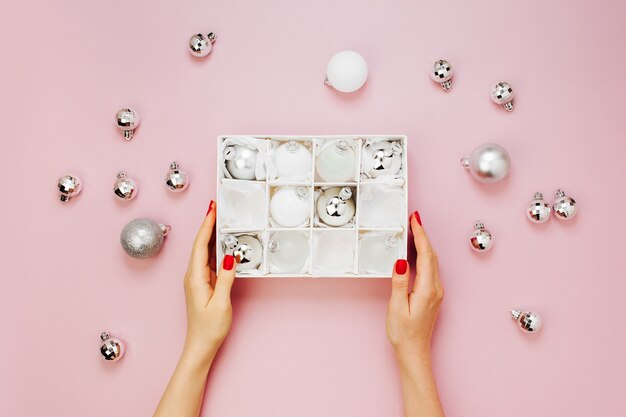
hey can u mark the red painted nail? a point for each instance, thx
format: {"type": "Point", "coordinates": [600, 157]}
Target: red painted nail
{"type": "Point", "coordinates": [228, 262]}
{"type": "Point", "coordinates": [417, 217]}
{"type": "Point", "coordinates": [210, 208]}
{"type": "Point", "coordinates": [401, 266]}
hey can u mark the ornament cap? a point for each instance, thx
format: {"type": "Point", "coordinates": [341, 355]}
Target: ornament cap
{"type": "Point", "coordinates": [230, 153]}
{"type": "Point", "coordinates": [538, 196]}
{"type": "Point", "coordinates": [64, 198]}
{"type": "Point", "coordinates": [211, 36]}
{"type": "Point", "coordinates": [396, 148]}
{"type": "Point", "coordinates": [230, 241]}
{"type": "Point", "coordinates": [345, 193]}
{"type": "Point", "coordinates": [479, 225]}
{"type": "Point", "coordinates": [391, 241]}
{"type": "Point", "coordinates": [508, 106]}
{"type": "Point", "coordinates": [273, 246]}
{"type": "Point", "coordinates": [465, 162]}
{"type": "Point", "coordinates": [302, 191]}
{"type": "Point", "coordinates": [128, 134]}
{"type": "Point", "coordinates": [174, 165]}
{"type": "Point", "coordinates": [121, 174]}
{"type": "Point", "coordinates": [559, 193]}
{"type": "Point", "coordinates": [343, 145]}
{"type": "Point", "coordinates": [516, 314]}
{"type": "Point", "coordinates": [292, 145]}
{"type": "Point", "coordinates": [104, 336]}
{"type": "Point", "coordinates": [165, 228]}
{"type": "Point", "coordinates": [446, 85]}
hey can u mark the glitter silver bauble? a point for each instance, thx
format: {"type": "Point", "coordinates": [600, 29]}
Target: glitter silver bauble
{"type": "Point", "coordinates": [246, 249]}
{"type": "Point", "coordinates": [382, 158]}
{"type": "Point", "coordinates": [176, 180]}
{"type": "Point", "coordinates": [442, 73]}
{"type": "Point", "coordinates": [502, 93]}
{"type": "Point", "coordinates": [336, 207]}
{"type": "Point", "coordinates": [112, 349]}
{"type": "Point", "coordinates": [488, 163]}
{"type": "Point", "coordinates": [539, 210]}
{"type": "Point", "coordinates": [69, 186]}
{"type": "Point", "coordinates": [124, 188]}
{"type": "Point", "coordinates": [127, 120]}
{"type": "Point", "coordinates": [240, 162]}
{"type": "Point", "coordinates": [481, 239]}
{"type": "Point", "coordinates": [528, 321]}
{"type": "Point", "coordinates": [200, 45]}
{"type": "Point", "coordinates": [564, 206]}
{"type": "Point", "coordinates": [143, 238]}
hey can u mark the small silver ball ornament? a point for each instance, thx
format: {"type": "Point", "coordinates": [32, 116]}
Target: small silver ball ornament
{"type": "Point", "coordinates": [538, 210]}
{"type": "Point", "coordinates": [201, 45]}
{"type": "Point", "coordinates": [442, 74]}
{"type": "Point", "coordinates": [127, 121]}
{"type": "Point", "coordinates": [336, 207]}
{"type": "Point", "coordinates": [488, 163]}
{"type": "Point", "coordinates": [564, 207]}
{"type": "Point", "coordinates": [246, 249]}
{"type": "Point", "coordinates": [240, 162]}
{"type": "Point", "coordinates": [502, 93]}
{"type": "Point", "coordinates": [112, 349]}
{"type": "Point", "coordinates": [142, 238]}
{"type": "Point", "coordinates": [528, 321]}
{"type": "Point", "coordinates": [382, 158]}
{"type": "Point", "coordinates": [124, 187]}
{"type": "Point", "coordinates": [176, 180]}
{"type": "Point", "coordinates": [69, 186]}
{"type": "Point", "coordinates": [481, 239]}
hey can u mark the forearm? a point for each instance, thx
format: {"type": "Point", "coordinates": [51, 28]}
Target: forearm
{"type": "Point", "coordinates": [419, 389]}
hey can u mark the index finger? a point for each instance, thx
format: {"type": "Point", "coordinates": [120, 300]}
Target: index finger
{"type": "Point", "coordinates": [425, 274]}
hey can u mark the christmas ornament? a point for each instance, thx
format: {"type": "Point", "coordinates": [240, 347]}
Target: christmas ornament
{"type": "Point", "coordinates": [382, 158]}
{"type": "Point", "coordinates": [246, 249]}
{"type": "Point", "coordinates": [241, 162]}
{"type": "Point", "coordinates": [539, 210]}
{"type": "Point", "coordinates": [292, 159]}
{"type": "Point", "coordinates": [528, 321]}
{"type": "Point", "coordinates": [564, 206]}
{"type": "Point", "coordinates": [346, 71]}
{"type": "Point", "coordinates": [288, 251]}
{"type": "Point", "coordinates": [176, 180]}
{"type": "Point", "coordinates": [143, 238]}
{"type": "Point", "coordinates": [335, 207]}
{"type": "Point", "coordinates": [112, 349]}
{"type": "Point", "coordinates": [481, 239]}
{"type": "Point", "coordinates": [502, 93]}
{"type": "Point", "coordinates": [200, 45]}
{"type": "Point", "coordinates": [124, 188]}
{"type": "Point", "coordinates": [69, 186]}
{"type": "Point", "coordinates": [442, 73]}
{"type": "Point", "coordinates": [488, 163]}
{"type": "Point", "coordinates": [127, 120]}
{"type": "Point", "coordinates": [336, 162]}
{"type": "Point", "coordinates": [290, 206]}
{"type": "Point", "coordinates": [378, 253]}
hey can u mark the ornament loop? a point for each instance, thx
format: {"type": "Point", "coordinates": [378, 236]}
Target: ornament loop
{"type": "Point", "coordinates": [465, 162]}
{"type": "Point", "coordinates": [559, 193]}
{"type": "Point", "coordinates": [165, 228]}
{"type": "Point", "coordinates": [479, 225]}
{"type": "Point", "coordinates": [104, 336]}
{"type": "Point", "coordinates": [273, 246]}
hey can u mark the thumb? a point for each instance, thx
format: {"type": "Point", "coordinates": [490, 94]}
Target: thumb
{"type": "Point", "coordinates": [225, 278]}
{"type": "Point", "coordinates": [400, 285]}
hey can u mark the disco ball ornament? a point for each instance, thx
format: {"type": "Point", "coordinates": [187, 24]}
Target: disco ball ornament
{"type": "Point", "coordinates": [176, 180]}
{"type": "Point", "coordinates": [502, 93]}
{"type": "Point", "coordinates": [127, 121]}
{"type": "Point", "coordinates": [69, 186]}
{"type": "Point", "coordinates": [481, 239]}
{"type": "Point", "coordinates": [290, 206]}
{"type": "Point", "coordinates": [336, 207]}
{"type": "Point", "coordinates": [488, 163]}
{"type": "Point", "coordinates": [240, 162]}
{"type": "Point", "coordinates": [442, 74]}
{"type": "Point", "coordinates": [346, 71]}
{"type": "Point", "coordinates": [336, 162]}
{"type": "Point", "coordinates": [292, 159]}
{"type": "Point", "coordinates": [143, 238]}
{"type": "Point", "coordinates": [381, 158]}
{"type": "Point", "coordinates": [112, 349]}
{"type": "Point", "coordinates": [124, 187]}
{"type": "Point", "coordinates": [564, 207]}
{"type": "Point", "coordinates": [201, 45]}
{"type": "Point", "coordinates": [528, 321]}
{"type": "Point", "coordinates": [246, 249]}
{"type": "Point", "coordinates": [538, 210]}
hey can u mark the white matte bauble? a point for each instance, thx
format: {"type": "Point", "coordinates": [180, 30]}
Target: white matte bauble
{"type": "Point", "coordinates": [336, 162]}
{"type": "Point", "coordinates": [564, 206]}
{"type": "Point", "coordinates": [346, 71]}
{"type": "Point", "coordinates": [292, 159]}
{"type": "Point", "coordinates": [528, 321]}
{"type": "Point", "coordinates": [290, 206]}
{"type": "Point", "coordinates": [481, 239]}
{"type": "Point", "coordinates": [538, 210]}
{"type": "Point", "coordinates": [335, 207]}
{"type": "Point", "coordinates": [488, 163]}
{"type": "Point", "coordinates": [288, 251]}
{"type": "Point", "coordinates": [240, 162]}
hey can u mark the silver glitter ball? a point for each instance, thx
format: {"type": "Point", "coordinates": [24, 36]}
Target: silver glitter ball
{"type": "Point", "coordinates": [336, 207]}
{"type": "Point", "coordinates": [488, 163]}
{"type": "Point", "coordinates": [246, 249]}
{"type": "Point", "coordinates": [442, 73]}
{"type": "Point", "coordinates": [69, 186]}
{"type": "Point", "coordinates": [564, 207]}
{"type": "Point", "coordinates": [240, 162]}
{"type": "Point", "coordinates": [538, 210]}
{"type": "Point", "coordinates": [502, 93]}
{"type": "Point", "coordinates": [143, 238]}
{"type": "Point", "coordinates": [481, 239]}
{"type": "Point", "coordinates": [176, 179]}
{"type": "Point", "coordinates": [200, 45]}
{"type": "Point", "coordinates": [127, 121]}
{"type": "Point", "coordinates": [124, 188]}
{"type": "Point", "coordinates": [528, 321]}
{"type": "Point", "coordinates": [112, 349]}
{"type": "Point", "coordinates": [382, 158]}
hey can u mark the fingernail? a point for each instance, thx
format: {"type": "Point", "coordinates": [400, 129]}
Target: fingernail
{"type": "Point", "coordinates": [416, 214]}
{"type": "Point", "coordinates": [210, 208]}
{"type": "Point", "coordinates": [228, 262]}
{"type": "Point", "coordinates": [401, 266]}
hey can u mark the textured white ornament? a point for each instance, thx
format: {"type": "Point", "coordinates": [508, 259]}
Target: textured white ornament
{"type": "Point", "coordinates": [336, 162]}
{"type": "Point", "coordinates": [377, 253]}
{"type": "Point", "coordinates": [292, 159]}
{"type": "Point", "coordinates": [488, 163]}
{"type": "Point", "coordinates": [346, 71]}
{"type": "Point", "coordinates": [288, 252]}
{"type": "Point", "coordinates": [290, 206]}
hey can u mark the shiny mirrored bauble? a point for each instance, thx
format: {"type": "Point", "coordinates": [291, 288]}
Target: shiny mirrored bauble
{"type": "Point", "coordinates": [111, 349]}
{"type": "Point", "coordinates": [378, 253]}
{"type": "Point", "coordinates": [246, 249]}
{"type": "Point", "coordinates": [290, 206]}
{"type": "Point", "coordinates": [200, 45]}
{"type": "Point", "coordinates": [69, 186]}
{"type": "Point", "coordinates": [564, 207]}
{"type": "Point", "coordinates": [488, 163]}
{"type": "Point", "coordinates": [502, 93]}
{"type": "Point", "coordinates": [382, 158]}
{"type": "Point", "coordinates": [127, 121]}
{"type": "Point", "coordinates": [346, 71]}
{"type": "Point", "coordinates": [538, 210]}
{"type": "Point", "coordinates": [124, 187]}
{"type": "Point", "coordinates": [176, 180]}
{"type": "Point", "coordinates": [336, 207]}
{"type": "Point", "coordinates": [528, 321]}
{"type": "Point", "coordinates": [481, 239]}
{"type": "Point", "coordinates": [292, 159]}
{"type": "Point", "coordinates": [240, 162]}
{"type": "Point", "coordinates": [442, 73]}
{"type": "Point", "coordinates": [288, 252]}
{"type": "Point", "coordinates": [336, 162]}
{"type": "Point", "coordinates": [143, 238]}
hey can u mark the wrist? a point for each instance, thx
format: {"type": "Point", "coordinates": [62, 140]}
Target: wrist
{"type": "Point", "coordinates": [412, 355]}
{"type": "Point", "coordinates": [197, 356]}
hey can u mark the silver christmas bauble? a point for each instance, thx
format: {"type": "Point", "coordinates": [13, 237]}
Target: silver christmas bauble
{"type": "Point", "coordinates": [176, 180]}
{"type": "Point", "coordinates": [564, 206]}
{"type": "Point", "coordinates": [488, 163]}
{"type": "Point", "coordinates": [200, 45]}
{"type": "Point", "coordinates": [502, 93]}
{"type": "Point", "coordinates": [442, 73]}
{"type": "Point", "coordinates": [143, 238]}
{"type": "Point", "coordinates": [112, 349]}
{"type": "Point", "coordinates": [69, 186]}
{"type": "Point", "coordinates": [382, 158]}
{"type": "Point", "coordinates": [246, 249]}
{"type": "Point", "coordinates": [127, 121]}
{"type": "Point", "coordinates": [124, 188]}
{"type": "Point", "coordinates": [539, 210]}
{"type": "Point", "coordinates": [528, 321]}
{"type": "Point", "coordinates": [481, 239]}
{"type": "Point", "coordinates": [336, 207]}
{"type": "Point", "coordinates": [240, 162]}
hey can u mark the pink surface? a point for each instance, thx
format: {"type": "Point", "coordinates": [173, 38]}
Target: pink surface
{"type": "Point", "coordinates": [312, 347]}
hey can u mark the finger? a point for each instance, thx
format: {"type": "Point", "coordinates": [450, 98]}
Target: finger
{"type": "Point", "coordinates": [225, 279]}
{"type": "Point", "coordinates": [422, 244]}
{"type": "Point", "coordinates": [425, 274]}
{"type": "Point", "coordinates": [399, 285]}
{"type": "Point", "coordinates": [200, 252]}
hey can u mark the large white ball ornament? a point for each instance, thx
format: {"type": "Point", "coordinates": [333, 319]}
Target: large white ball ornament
{"type": "Point", "coordinates": [488, 163]}
{"type": "Point", "coordinates": [346, 71]}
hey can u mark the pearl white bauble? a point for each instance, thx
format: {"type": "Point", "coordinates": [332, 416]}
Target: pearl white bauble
{"type": "Point", "coordinates": [292, 159]}
{"type": "Point", "coordinates": [336, 162]}
{"type": "Point", "coordinates": [346, 71]}
{"type": "Point", "coordinates": [288, 251]}
{"type": "Point", "coordinates": [290, 206]}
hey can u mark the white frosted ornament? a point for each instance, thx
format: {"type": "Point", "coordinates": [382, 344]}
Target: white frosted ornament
{"type": "Point", "coordinates": [290, 206]}
{"type": "Point", "coordinates": [292, 159]}
{"type": "Point", "coordinates": [378, 253]}
{"type": "Point", "coordinates": [288, 251]}
{"type": "Point", "coordinates": [336, 207]}
{"type": "Point", "coordinates": [336, 162]}
{"type": "Point", "coordinates": [488, 163]}
{"type": "Point", "coordinates": [346, 71]}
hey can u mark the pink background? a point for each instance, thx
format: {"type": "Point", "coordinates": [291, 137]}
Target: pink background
{"type": "Point", "coordinates": [312, 347]}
